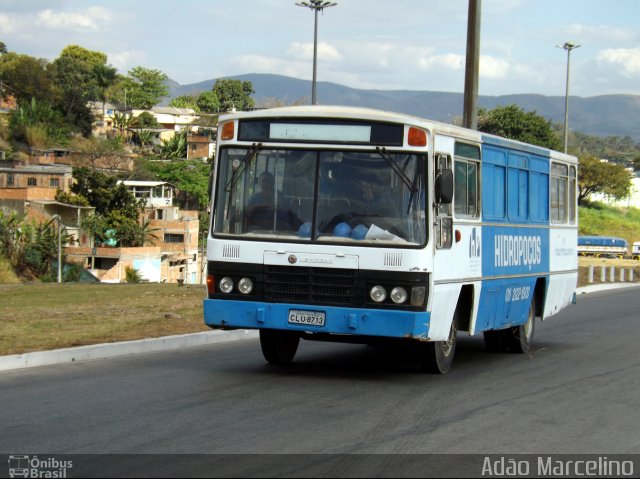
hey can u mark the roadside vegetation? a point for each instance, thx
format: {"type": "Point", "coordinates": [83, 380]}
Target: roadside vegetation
{"type": "Point", "coordinates": [37, 317]}
{"type": "Point", "coordinates": [599, 219]}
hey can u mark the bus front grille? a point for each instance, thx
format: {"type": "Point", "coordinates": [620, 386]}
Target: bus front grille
{"type": "Point", "coordinates": [297, 284]}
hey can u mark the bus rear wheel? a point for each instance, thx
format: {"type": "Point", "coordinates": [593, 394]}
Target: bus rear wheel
{"type": "Point", "coordinates": [520, 338]}
{"type": "Point", "coordinates": [437, 356]}
{"type": "Point", "coordinates": [279, 347]}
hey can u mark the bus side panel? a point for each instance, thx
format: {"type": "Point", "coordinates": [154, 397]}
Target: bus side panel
{"type": "Point", "coordinates": [445, 300]}
{"type": "Point", "coordinates": [512, 260]}
{"type": "Point", "coordinates": [505, 303]}
{"type": "Point", "coordinates": [560, 293]}
{"type": "Point", "coordinates": [564, 269]}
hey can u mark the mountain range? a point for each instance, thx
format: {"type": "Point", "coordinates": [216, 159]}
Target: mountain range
{"type": "Point", "coordinates": [604, 115]}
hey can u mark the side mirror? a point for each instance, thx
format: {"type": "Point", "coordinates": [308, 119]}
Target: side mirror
{"type": "Point", "coordinates": [444, 186]}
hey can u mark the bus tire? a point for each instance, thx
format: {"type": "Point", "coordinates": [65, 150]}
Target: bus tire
{"type": "Point", "coordinates": [520, 338]}
{"type": "Point", "coordinates": [279, 347]}
{"type": "Point", "coordinates": [436, 357]}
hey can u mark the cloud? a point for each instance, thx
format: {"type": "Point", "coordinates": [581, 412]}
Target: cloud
{"type": "Point", "coordinates": [449, 61]}
{"type": "Point", "coordinates": [91, 19]}
{"type": "Point", "coordinates": [606, 32]}
{"type": "Point", "coordinates": [7, 25]}
{"type": "Point", "coordinates": [627, 59]}
{"type": "Point", "coordinates": [127, 59]}
{"type": "Point", "coordinates": [494, 68]}
{"type": "Point", "coordinates": [326, 51]}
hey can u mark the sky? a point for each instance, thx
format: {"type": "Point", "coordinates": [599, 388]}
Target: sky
{"type": "Point", "coordinates": [370, 44]}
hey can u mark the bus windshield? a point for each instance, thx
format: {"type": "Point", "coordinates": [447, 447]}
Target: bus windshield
{"type": "Point", "coordinates": [321, 196]}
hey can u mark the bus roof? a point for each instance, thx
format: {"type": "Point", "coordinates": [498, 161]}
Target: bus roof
{"type": "Point", "coordinates": [350, 112]}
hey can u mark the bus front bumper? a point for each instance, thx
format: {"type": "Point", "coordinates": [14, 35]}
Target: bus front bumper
{"type": "Point", "coordinates": [337, 320]}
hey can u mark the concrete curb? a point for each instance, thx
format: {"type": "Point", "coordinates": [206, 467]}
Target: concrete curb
{"type": "Point", "coordinates": [125, 348]}
{"type": "Point", "coordinates": [167, 343]}
{"type": "Point", "coordinates": [593, 288]}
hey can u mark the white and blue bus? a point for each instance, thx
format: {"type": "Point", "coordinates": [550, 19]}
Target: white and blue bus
{"type": "Point", "coordinates": [352, 225]}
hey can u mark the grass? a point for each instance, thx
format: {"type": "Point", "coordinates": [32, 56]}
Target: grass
{"type": "Point", "coordinates": [599, 219]}
{"type": "Point", "coordinates": [42, 316]}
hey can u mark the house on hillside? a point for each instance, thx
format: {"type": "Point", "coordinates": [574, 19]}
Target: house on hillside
{"type": "Point", "coordinates": [201, 143]}
{"type": "Point", "coordinates": [171, 254]}
{"type": "Point", "coordinates": [157, 194]}
{"type": "Point", "coordinates": [48, 177]}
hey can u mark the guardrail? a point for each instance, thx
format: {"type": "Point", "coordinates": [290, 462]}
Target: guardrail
{"type": "Point", "coordinates": [607, 274]}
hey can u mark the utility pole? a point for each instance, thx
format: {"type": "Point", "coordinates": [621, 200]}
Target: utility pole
{"type": "Point", "coordinates": [470, 113]}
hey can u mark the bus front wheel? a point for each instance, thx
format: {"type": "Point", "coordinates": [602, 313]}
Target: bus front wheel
{"type": "Point", "coordinates": [279, 347]}
{"type": "Point", "coordinates": [437, 356]}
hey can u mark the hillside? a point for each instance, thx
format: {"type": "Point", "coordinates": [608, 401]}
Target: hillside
{"type": "Point", "coordinates": [606, 115]}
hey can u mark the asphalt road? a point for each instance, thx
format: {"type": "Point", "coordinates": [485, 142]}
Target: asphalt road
{"type": "Point", "coordinates": [577, 392]}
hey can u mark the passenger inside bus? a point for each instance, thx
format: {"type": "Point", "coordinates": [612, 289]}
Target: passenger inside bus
{"type": "Point", "coordinates": [265, 210]}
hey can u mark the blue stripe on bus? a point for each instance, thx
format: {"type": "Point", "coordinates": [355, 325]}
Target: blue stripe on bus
{"type": "Point", "coordinates": [508, 250]}
{"type": "Point", "coordinates": [369, 322]}
{"type": "Point", "coordinates": [504, 302]}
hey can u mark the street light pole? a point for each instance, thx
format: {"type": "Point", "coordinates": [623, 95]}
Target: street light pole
{"type": "Point", "coordinates": [568, 47]}
{"type": "Point", "coordinates": [315, 5]}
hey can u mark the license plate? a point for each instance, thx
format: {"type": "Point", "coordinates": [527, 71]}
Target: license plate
{"type": "Point", "coordinates": [309, 318]}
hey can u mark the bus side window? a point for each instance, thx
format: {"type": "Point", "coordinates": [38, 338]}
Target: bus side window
{"type": "Point", "coordinates": [466, 197]}
{"type": "Point", "coordinates": [558, 192]}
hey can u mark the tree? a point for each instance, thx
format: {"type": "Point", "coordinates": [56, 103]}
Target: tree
{"type": "Point", "coordinates": [234, 94]}
{"type": "Point", "coordinates": [191, 178]}
{"type": "Point", "coordinates": [185, 101]}
{"type": "Point", "coordinates": [37, 123]}
{"type": "Point", "coordinates": [512, 122]}
{"type": "Point", "coordinates": [26, 77]}
{"type": "Point", "coordinates": [79, 74]}
{"type": "Point", "coordinates": [103, 192]}
{"type": "Point", "coordinates": [89, 57]}
{"type": "Point", "coordinates": [117, 212]}
{"type": "Point", "coordinates": [145, 87]}
{"type": "Point", "coordinates": [105, 76]}
{"type": "Point", "coordinates": [3, 48]}
{"type": "Point", "coordinates": [595, 176]}
{"type": "Point", "coordinates": [145, 137]}
{"type": "Point", "coordinates": [175, 148]}
{"type": "Point", "coordinates": [109, 152]}
{"type": "Point", "coordinates": [145, 120]}
{"type": "Point", "coordinates": [208, 101]}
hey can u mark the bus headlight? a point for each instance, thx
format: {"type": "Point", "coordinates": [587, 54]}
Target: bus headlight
{"type": "Point", "coordinates": [245, 285]}
{"type": "Point", "coordinates": [226, 284]}
{"type": "Point", "coordinates": [378, 293]}
{"type": "Point", "coordinates": [398, 295]}
{"type": "Point", "coordinates": [418, 294]}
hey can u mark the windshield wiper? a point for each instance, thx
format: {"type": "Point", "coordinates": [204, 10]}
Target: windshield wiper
{"type": "Point", "coordinates": [410, 184]}
{"type": "Point", "coordinates": [237, 174]}
{"type": "Point", "coordinates": [381, 150]}
{"type": "Point", "coordinates": [245, 161]}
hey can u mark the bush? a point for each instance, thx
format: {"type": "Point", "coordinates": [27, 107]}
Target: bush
{"type": "Point", "coordinates": [132, 275]}
{"type": "Point", "coordinates": [7, 274]}
{"type": "Point", "coordinates": [72, 273]}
